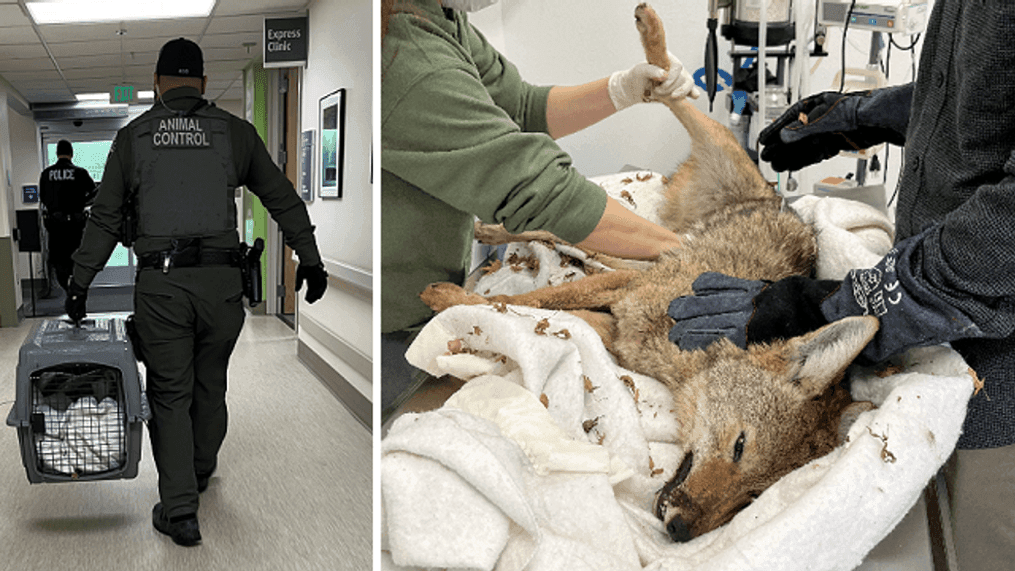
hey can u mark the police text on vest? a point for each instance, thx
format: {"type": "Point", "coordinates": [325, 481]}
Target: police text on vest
{"type": "Point", "coordinates": [56, 175]}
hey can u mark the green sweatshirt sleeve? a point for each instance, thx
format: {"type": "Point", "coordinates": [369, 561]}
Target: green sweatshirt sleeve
{"type": "Point", "coordinates": [522, 101]}
{"type": "Point", "coordinates": [102, 232]}
{"type": "Point", "coordinates": [454, 142]}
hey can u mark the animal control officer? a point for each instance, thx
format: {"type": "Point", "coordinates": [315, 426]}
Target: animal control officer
{"type": "Point", "coordinates": [182, 159]}
{"type": "Point", "coordinates": [65, 190]}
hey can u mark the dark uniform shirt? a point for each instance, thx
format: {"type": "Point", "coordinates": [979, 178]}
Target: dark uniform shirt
{"type": "Point", "coordinates": [65, 189]}
{"type": "Point", "coordinates": [255, 170]}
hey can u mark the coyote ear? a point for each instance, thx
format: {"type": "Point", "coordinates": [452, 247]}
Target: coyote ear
{"type": "Point", "coordinates": [819, 358]}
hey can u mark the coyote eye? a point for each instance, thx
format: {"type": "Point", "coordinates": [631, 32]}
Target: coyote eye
{"type": "Point", "coordinates": [738, 448]}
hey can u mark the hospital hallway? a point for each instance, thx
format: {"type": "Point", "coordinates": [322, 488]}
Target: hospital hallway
{"type": "Point", "coordinates": [292, 490]}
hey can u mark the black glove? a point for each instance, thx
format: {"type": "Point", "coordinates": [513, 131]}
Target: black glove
{"type": "Point", "coordinates": [747, 311]}
{"type": "Point", "coordinates": [836, 122]}
{"type": "Point", "coordinates": [75, 303]}
{"type": "Point", "coordinates": [317, 281]}
{"type": "Point", "coordinates": [789, 308]}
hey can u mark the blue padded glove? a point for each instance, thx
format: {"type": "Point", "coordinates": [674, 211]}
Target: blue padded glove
{"type": "Point", "coordinates": [912, 314]}
{"type": "Point", "coordinates": [748, 311]}
{"type": "Point", "coordinates": [720, 307]}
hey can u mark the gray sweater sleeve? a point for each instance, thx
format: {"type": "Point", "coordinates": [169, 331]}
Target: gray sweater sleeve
{"type": "Point", "coordinates": [955, 280]}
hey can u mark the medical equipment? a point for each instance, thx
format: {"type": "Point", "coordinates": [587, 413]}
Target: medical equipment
{"type": "Point", "coordinates": [872, 195]}
{"type": "Point", "coordinates": [743, 26]}
{"type": "Point", "coordinates": [877, 16]}
{"type": "Point", "coordinates": [745, 21]}
{"type": "Point", "coordinates": [905, 16]}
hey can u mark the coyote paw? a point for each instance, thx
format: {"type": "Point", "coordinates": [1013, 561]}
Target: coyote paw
{"type": "Point", "coordinates": [850, 415]}
{"type": "Point", "coordinates": [653, 37]}
{"type": "Point", "coordinates": [441, 296]}
{"type": "Point", "coordinates": [491, 234]}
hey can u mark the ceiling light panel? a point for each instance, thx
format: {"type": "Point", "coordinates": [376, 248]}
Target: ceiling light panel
{"type": "Point", "coordinates": [83, 11]}
{"type": "Point", "coordinates": [92, 97]}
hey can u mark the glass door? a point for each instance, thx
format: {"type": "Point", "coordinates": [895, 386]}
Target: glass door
{"type": "Point", "coordinates": [91, 156]}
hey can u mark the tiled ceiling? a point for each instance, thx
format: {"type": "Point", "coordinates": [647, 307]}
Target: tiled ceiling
{"type": "Point", "coordinates": [53, 62]}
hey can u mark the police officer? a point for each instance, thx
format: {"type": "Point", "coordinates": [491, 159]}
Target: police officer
{"type": "Point", "coordinates": [65, 191]}
{"type": "Point", "coordinates": [176, 167]}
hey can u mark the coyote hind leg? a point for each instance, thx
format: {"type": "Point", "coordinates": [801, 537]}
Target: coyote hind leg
{"type": "Point", "coordinates": [496, 235]}
{"type": "Point", "coordinates": [718, 172]}
{"type": "Point", "coordinates": [603, 323]}
{"type": "Point", "coordinates": [596, 292]}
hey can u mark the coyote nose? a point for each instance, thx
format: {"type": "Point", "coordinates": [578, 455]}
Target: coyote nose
{"type": "Point", "coordinates": [684, 470]}
{"type": "Point", "coordinates": [678, 530]}
{"type": "Point", "coordinates": [670, 488]}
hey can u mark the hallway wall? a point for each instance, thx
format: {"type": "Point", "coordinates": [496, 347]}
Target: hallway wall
{"type": "Point", "coordinates": [335, 333]}
{"type": "Point", "coordinates": [9, 278]}
{"type": "Point", "coordinates": [26, 164]}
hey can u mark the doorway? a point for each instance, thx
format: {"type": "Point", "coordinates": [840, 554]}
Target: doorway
{"type": "Point", "coordinates": [113, 288]}
{"type": "Point", "coordinates": [289, 90]}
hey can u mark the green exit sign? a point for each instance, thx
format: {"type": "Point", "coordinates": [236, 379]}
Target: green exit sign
{"type": "Point", "coordinates": [124, 94]}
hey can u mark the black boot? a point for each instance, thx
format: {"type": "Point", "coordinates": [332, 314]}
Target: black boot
{"type": "Point", "coordinates": [203, 477]}
{"type": "Point", "coordinates": [202, 482]}
{"type": "Point", "coordinates": [183, 529]}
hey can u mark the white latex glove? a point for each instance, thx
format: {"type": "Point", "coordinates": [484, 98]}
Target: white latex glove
{"type": "Point", "coordinates": [628, 87]}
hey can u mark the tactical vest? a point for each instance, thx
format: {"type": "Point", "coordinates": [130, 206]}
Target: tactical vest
{"type": "Point", "coordinates": [63, 188]}
{"type": "Point", "coordinates": [184, 175]}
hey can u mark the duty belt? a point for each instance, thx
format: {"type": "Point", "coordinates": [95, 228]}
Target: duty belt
{"type": "Point", "coordinates": [207, 257]}
{"type": "Point", "coordinates": [66, 216]}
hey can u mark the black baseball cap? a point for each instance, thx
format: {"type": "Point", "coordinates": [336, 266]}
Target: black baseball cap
{"type": "Point", "coordinates": [181, 58]}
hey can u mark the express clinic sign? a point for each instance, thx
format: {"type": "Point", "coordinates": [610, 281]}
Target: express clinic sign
{"type": "Point", "coordinates": [285, 41]}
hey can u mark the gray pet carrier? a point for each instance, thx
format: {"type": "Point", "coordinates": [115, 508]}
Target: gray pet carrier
{"type": "Point", "coordinates": [79, 402]}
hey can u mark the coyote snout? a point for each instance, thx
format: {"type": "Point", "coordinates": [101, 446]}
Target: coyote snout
{"type": "Point", "coordinates": [753, 416]}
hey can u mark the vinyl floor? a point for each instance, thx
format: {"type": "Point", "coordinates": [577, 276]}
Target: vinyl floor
{"type": "Point", "coordinates": [292, 491]}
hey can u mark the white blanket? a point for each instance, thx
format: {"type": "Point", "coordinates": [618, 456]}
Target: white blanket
{"type": "Point", "coordinates": [86, 438]}
{"type": "Point", "coordinates": [550, 456]}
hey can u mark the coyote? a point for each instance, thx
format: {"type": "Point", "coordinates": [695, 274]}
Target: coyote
{"type": "Point", "coordinates": [747, 417]}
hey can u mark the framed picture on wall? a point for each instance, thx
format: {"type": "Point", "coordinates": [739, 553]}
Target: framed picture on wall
{"type": "Point", "coordinates": [332, 129]}
{"type": "Point", "coordinates": [306, 188]}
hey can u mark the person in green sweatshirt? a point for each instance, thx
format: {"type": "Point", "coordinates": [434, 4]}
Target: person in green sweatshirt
{"type": "Point", "coordinates": [464, 136]}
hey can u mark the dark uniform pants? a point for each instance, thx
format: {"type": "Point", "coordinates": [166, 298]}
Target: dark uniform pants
{"type": "Point", "coordinates": [981, 487]}
{"type": "Point", "coordinates": [64, 238]}
{"type": "Point", "coordinates": [187, 321]}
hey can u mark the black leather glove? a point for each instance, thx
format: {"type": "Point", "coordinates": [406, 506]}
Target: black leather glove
{"type": "Point", "coordinates": [317, 281]}
{"type": "Point", "coordinates": [836, 122]}
{"type": "Point", "coordinates": [789, 308]}
{"type": "Point", "coordinates": [747, 311]}
{"type": "Point", "coordinates": [75, 303]}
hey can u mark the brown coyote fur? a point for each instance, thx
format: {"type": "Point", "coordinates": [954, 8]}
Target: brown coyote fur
{"type": "Point", "coordinates": [748, 417]}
